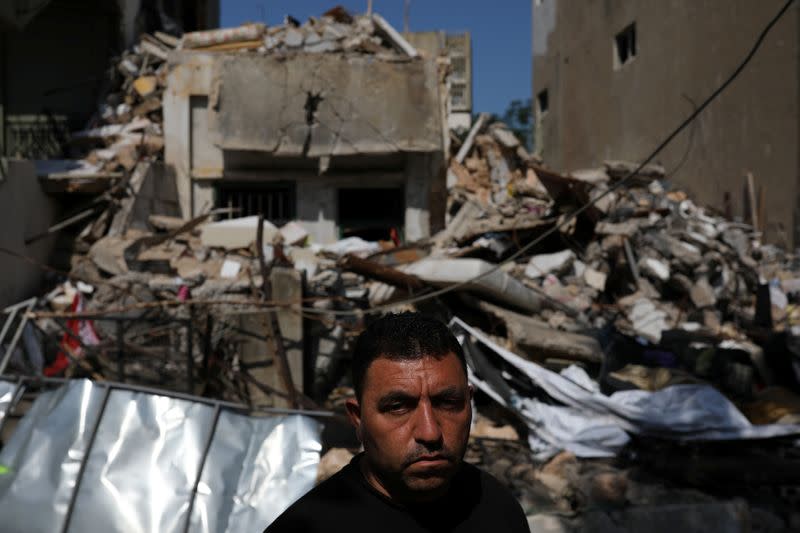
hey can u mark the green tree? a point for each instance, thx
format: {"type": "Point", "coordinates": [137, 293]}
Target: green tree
{"type": "Point", "coordinates": [518, 116]}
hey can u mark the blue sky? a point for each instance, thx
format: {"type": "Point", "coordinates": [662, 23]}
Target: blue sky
{"type": "Point", "coordinates": [501, 34]}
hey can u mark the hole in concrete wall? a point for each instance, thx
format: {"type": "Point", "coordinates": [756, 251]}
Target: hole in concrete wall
{"type": "Point", "coordinates": [371, 214]}
{"type": "Point", "coordinates": [625, 46]}
{"type": "Point", "coordinates": [542, 102]}
{"type": "Point", "coordinates": [312, 104]}
{"type": "Point", "coordinates": [276, 201]}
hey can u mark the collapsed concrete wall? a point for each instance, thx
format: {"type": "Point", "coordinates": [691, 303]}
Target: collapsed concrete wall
{"type": "Point", "coordinates": [320, 122]}
{"type": "Point", "coordinates": [325, 105]}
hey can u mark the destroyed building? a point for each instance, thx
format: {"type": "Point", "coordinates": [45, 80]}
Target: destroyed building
{"type": "Point", "coordinates": [346, 137]}
{"type": "Point", "coordinates": [54, 59]}
{"type": "Point", "coordinates": [457, 47]}
{"type": "Point", "coordinates": [599, 78]}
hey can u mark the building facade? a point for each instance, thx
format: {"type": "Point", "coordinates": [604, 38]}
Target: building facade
{"type": "Point", "coordinates": [348, 145]}
{"type": "Point", "coordinates": [54, 62]}
{"type": "Point", "coordinates": [458, 47]}
{"type": "Point", "coordinates": [611, 79]}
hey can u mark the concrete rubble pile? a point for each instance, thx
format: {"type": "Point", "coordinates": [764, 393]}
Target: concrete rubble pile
{"type": "Point", "coordinates": [645, 293]}
{"type": "Point", "coordinates": [128, 125]}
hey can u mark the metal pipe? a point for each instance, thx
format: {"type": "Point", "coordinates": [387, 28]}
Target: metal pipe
{"type": "Point", "coordinates": [177, 395]}
{"type": "Point", "coordinates": [120, 352]}
{"type": "Point", "coordinates": [85, 459]}
{"type": "Point", "coordinates": [206, 448]}
{"type": "Point", "coordinates": [7, 325]}
{"type": "Point", "coordinates": [190, 351]}
{"type": "Point", "coordinates": [15, 340]}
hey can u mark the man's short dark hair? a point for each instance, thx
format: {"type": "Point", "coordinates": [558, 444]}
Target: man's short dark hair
{"type": "Point", "coordinates": [401, 337]}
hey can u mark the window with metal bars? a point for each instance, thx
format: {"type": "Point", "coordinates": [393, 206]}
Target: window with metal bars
{"type": "Point", "coordinates": [276, 201]}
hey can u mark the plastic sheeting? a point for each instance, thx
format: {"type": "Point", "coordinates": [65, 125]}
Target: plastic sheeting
{"type": "Point", "coordinates": [591, 424]}
{"type": "Point", "coordinates": [145, 460]}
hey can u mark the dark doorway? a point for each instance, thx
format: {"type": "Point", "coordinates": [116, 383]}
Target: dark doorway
{"type": "Point", "coordinates": [372, 214]}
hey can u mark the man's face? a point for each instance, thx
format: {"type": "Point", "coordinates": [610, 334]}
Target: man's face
{"type": "Point", "coordinates": [413, 419]}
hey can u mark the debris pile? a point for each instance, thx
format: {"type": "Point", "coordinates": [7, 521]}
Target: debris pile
{"type": "Point", "coordinates": [128, 125]}
{"type": "Point", "coordinates": [335, 32]}
{"type": "Point", "coordinates": [642, 290]}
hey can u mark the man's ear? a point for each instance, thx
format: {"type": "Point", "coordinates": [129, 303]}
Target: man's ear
{"type": "Point", "coordinates": [354, 414]}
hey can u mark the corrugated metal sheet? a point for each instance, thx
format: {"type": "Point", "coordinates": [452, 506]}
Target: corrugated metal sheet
{"type": "Point", "coordinates": [88, 457]}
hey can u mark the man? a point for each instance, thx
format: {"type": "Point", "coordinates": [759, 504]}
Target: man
{"type": "Point", "coordinates": [412, 413]}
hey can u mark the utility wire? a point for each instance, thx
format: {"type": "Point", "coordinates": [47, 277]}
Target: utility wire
{"type": "Point", "coordinates": [565, 221]}
{"type": "Point", "coordinates": [570, 217]}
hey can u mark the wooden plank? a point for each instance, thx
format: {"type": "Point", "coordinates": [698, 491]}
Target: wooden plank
{"type": "Point", "coordinates": [230, 47]}
{"type": "Point", "coordinates": [470, 140]}
{"type": "Point", "coordinates": [380, 272]}
{"type": "Point", "coordinates": [167, 39]}
{"type": "Point", "coordinates": [394, 36]}
{"type": "Point", "coordinates": [751, 194]}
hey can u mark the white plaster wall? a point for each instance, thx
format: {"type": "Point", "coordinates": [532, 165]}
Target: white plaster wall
{"type": "Point", "coordinates": [316, 210]}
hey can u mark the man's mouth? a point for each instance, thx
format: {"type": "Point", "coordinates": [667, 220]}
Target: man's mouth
{"type": "Point", "coordinates": [431, 461]}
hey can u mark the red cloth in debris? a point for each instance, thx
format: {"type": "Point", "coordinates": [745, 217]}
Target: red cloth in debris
{"type": "Point", "coordinates": [83, 329]}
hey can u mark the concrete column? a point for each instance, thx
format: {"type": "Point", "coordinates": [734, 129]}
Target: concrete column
{"type": "Point", "coordinates": [287, 287]}
{"type": "Point", "coordinates": [257, 353]}
{"type": "Point", "coordinates": [256, 357]}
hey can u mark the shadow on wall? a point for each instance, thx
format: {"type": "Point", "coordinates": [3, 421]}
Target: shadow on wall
{"type": "Point", "coordinates": [25, 210]}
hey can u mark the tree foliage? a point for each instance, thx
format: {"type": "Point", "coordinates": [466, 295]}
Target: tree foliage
{"type": "Point", "coordinates": [519, 118]}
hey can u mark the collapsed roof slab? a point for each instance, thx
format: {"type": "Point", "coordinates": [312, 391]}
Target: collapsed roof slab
{"type": "Point", "coordinates": [319, 105]}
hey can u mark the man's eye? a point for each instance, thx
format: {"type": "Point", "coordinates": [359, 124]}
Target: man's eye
{"type": "Point", "coordinates": [396, 407]}
{"type": "Point", "coordinates": [450, 403]}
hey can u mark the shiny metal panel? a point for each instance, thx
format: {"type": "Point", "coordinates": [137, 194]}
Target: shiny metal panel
{"type": "Point", "coordinates": [143, 464]}
{"type": "Point", "coordinates": [44, 456]}
{"type": "Point", "coordinates": [145, 460]}
{"type": "Point", "coordinates": [275, 462]}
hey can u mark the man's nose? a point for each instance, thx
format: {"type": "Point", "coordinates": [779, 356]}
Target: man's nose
{"type": "Point", "coordinates": [427, 429]}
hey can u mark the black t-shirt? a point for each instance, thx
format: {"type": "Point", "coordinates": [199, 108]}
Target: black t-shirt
{"type": "Point", "coordinates": [347, 502]}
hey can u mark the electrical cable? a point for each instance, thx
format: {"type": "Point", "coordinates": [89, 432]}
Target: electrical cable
{"type": "Point", "coordinates": [566, 219]}
{"type": "Point", "coordinates": [574, 214]}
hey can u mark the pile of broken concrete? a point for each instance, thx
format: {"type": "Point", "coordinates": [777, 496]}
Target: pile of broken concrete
{"type": "Point", "coordinates": [128, 124]}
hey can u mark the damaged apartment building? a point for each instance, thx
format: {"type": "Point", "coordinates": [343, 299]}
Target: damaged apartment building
{"type": "Point", "coordinates": [54, 72]}
{"type": "Point", "coordinates": [611, 79]}
{"type": "Point", "coordinates": [337, 124]}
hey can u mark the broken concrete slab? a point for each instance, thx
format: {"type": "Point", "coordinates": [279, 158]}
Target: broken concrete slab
{"type": "Point", "coordinates": [235, 233]}
{"type": "Point", "coordinates": [293, 233]}
{"type": "Point", "coordinates": [648, 321]}
{"type": "Point", "coordinates": [595, 279]}
{"type": "Point", "coordinates": [654, 268]}
{"type": "Point", "coordinates": [479, 277]}
{"type": "Point", "coordinates": [108, 254]}
{"type": "Point", "coordinates": [702, 293]}
{"type": "Point", "coordinates": [539, 341]}
{"type": "Point", "coordinates": [543, 264]}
